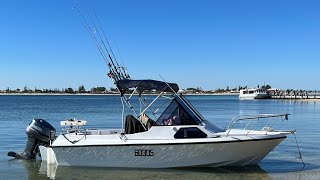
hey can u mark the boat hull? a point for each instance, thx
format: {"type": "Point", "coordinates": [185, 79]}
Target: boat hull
{"type": "Point", "coordinates": [253, 96]}
{"type": "Point", "coordinates": [207, 154]}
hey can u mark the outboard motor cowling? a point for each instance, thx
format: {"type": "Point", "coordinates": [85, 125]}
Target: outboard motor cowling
{"type": "Point", "coordinates": [39, 132]}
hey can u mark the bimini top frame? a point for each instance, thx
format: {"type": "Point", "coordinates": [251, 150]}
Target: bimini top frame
{"type": "Point", "coordinates": [164, 89]}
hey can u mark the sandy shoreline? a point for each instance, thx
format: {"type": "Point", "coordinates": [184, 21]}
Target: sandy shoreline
{"type": "Point", "coordinates": [302, 174]}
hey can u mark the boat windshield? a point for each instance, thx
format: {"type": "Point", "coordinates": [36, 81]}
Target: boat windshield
{"type": "Point", "coordinates": [177, 113]}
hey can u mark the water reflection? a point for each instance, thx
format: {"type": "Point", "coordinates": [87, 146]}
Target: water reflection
{"type": "Point", "coordinates": [36, 169]}
{"type": "Point", "coordinates": [279, 164]}
{"type": "Point", "coordinates": [40, 170]}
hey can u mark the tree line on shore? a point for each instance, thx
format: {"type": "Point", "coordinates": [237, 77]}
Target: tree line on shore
{"type": "Point", "coordinates": [80, 90]}
{"type": "Point", "coordinates": [103, 90]}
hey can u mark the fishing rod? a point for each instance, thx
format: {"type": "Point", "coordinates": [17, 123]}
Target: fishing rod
{"type": "Point", "coordinates": [93, 37]}
{"type": "Point", "coordinates": [116, 68]}
{"type": "Point", "coordinates": [119, 73]}
{"type": "Point", "coordinates": [125, 69]}
{"type": "Point", "coordinates": [97, 33]}
{"type": "Point", "coordinates": [125, 74]}
{"type": "Point", "coordinates": [112, 73]}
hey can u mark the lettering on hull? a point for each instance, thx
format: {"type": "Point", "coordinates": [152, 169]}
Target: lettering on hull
{"type": "Point", "coordinates": [143, 152]}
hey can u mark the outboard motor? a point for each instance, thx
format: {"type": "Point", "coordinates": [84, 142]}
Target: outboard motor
{"type": "Point", "coordinates": [39, 132]}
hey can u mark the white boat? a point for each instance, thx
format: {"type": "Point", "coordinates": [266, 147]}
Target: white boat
{"type": "Point", "coordinates": [253, 93]}
{"type": "Point", "coordinates": [180, 136]}
{"type": "Point", "coordinates": [164, 131]}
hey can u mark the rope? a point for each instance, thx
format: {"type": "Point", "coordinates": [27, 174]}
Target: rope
{"type": "Point", "coordinates": [73, 142]}
{"type": "Point", "coordinates": [299, 152]}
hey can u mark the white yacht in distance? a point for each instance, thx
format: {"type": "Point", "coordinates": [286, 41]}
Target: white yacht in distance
{"type": "Point", "coordinates": [163, 130]}
{"type": "Point", "coordinates": [253, 93]}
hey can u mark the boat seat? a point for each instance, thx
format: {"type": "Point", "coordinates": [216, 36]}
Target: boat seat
{"type": "Point", "coordinates": [133, 125]}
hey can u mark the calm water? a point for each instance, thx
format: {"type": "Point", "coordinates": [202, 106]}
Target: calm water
{"type": "Point", "coordinates": [105, 111]}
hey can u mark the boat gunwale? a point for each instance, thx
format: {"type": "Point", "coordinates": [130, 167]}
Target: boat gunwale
{"type": "Point", "coordinates": [175, 143]}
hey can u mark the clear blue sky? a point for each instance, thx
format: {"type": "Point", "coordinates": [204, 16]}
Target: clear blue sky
{"type": "Point", "coordinates": [209, 44]}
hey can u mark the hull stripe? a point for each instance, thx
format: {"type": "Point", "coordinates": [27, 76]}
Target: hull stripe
{"type": "Point", "coordinates": [183, 143]}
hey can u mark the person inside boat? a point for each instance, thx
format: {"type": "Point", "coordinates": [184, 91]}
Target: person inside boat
{"type": "Point", "coordinates": [175, 120]}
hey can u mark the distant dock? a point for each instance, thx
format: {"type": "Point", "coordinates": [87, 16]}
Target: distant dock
{"type": "Point", "coordinates": [294, 94]}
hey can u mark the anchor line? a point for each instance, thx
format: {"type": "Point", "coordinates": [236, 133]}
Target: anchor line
{"type": "Point", "coordinates": [299, 152]}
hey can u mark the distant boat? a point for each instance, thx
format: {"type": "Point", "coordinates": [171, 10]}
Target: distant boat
{"type": "Point", "coordinates": [253, 93]}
